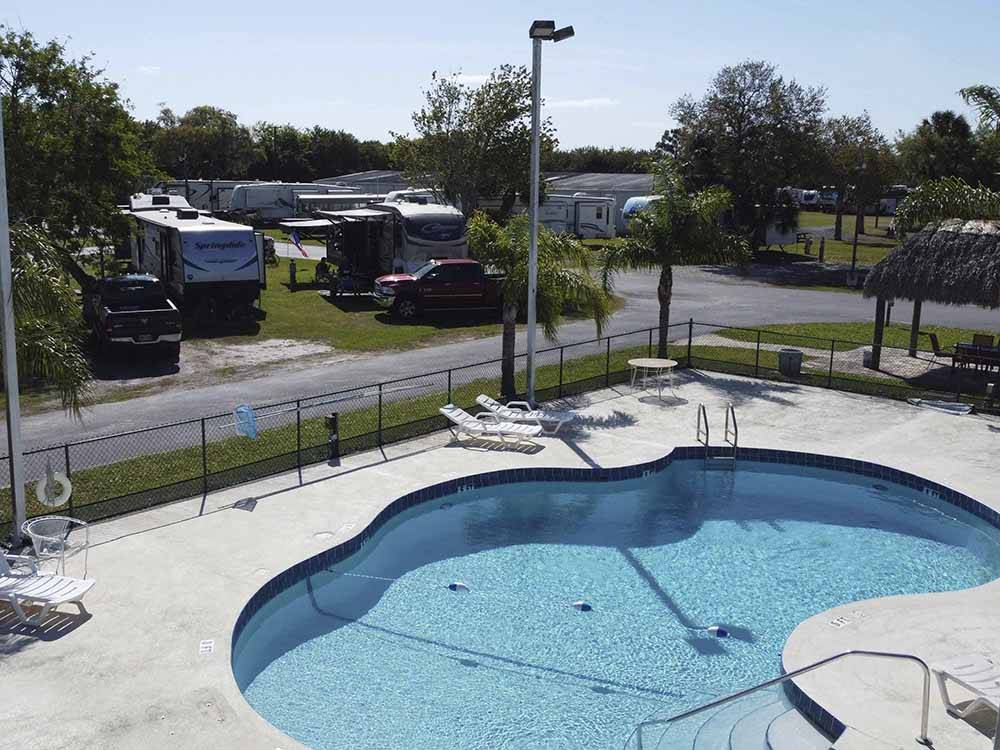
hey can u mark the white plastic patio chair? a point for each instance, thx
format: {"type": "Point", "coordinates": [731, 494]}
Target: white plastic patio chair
{"type": "Point", "coordinates": [488, 424]}
{"type": "Point", "coordinates": [58, 538]}
{"type": "Point", "coordinates": [978, 674]}
{"type": "Point", "coordinates": [21, 585]}
{"type": "Point", "coordinates": [541, 417]}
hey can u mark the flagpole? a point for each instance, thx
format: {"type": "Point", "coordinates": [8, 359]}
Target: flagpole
{"type": "Point", "coordinates": [15, 448]}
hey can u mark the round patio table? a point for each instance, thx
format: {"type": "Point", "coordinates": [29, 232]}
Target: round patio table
{"type": "Point", "coordinates": [655, 366]}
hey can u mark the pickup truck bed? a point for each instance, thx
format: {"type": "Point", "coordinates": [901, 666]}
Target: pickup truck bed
{"type": "Point", "coordinates": [133, 311]}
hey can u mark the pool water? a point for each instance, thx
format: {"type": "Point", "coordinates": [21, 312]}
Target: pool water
{"type": "Point", "coordinates": [378, 652]}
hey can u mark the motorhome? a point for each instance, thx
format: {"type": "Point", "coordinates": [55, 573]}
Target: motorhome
{"type": "Point", "coordinates": [205, 195]}
{"type": "Point", "coordinates": [635, 205]}
{"type": "Point", "coordinates": [274, 201]}
{"type": "Point", "coordinates": [212, 269]}
{"type": "Point", "coordinates": [809, 199]}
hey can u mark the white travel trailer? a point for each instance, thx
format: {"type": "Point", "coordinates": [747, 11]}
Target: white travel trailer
{"type": "Point", "coordinates": [205, 195]}
{"type": "Point", "coordinates": [211, 268]}
{"type": "Point", "coordinates": [586, 216]}
{"type": "Point", "coordinates": [274, 201]}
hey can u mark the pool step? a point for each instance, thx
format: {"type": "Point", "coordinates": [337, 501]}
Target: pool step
{"type": "Point", "coordinates": [749, 732]}
{"type": "Point", "coordinates": [716, 731]}
{"type": "Point", "coordinates": [793, 731]}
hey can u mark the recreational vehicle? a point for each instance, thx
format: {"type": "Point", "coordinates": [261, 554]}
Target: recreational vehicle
{"type": "Point", "coordinates": [586, 216]}
{"type": "Point", "coordinates": [212, 269]}
{"type": "Point", "coordinates": [634, 205]}
{"type": "Point", "coordinates": [274, 201]}
{"type": "Point", "coordinates": [205, 195]}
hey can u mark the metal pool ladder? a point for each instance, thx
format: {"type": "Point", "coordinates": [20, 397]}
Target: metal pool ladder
{"type": "Point", "coordinates": [732, 436]}
{"type": "Point", "coordinates": [922, 738]}
{"type": "Point", "coordinates": [702, 434]}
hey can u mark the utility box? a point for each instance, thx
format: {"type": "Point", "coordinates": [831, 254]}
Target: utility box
{"type": "Point", "coordinates": [790, 362]}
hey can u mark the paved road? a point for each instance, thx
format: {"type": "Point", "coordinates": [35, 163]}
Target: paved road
{"type": "Point", "coordinates": [703, 294]}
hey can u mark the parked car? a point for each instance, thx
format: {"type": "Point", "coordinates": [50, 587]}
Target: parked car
{"type": "Point", "coordinates": [448, 284]}
{"type": "Point", "coordinates": [133, 310]}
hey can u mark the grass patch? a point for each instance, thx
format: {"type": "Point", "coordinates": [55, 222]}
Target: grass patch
{"type": "Point", "coordinates": [849, 335]}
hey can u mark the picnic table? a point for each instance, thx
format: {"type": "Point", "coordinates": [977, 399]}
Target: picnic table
{"type": "Point", "coordinates": [974, 355]}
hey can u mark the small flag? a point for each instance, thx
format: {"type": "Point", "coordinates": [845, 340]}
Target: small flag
{"type": "Point", "coordinates": [297, 241]}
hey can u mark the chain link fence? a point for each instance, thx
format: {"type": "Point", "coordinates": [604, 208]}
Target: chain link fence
{"type": "Point", "coordinates": [131, 471]}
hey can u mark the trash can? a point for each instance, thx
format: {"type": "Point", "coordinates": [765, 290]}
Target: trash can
{"type": "Point", "coordinates": [790, 362]}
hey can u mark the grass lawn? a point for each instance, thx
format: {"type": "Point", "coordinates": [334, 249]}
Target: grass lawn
{"type": "Point", "coordinates": [849, 335]}
{"type": "Point", "coordinates": [814, 219]}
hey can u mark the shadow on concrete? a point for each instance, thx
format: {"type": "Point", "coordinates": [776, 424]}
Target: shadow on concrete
{"type": "Point", "coordinates": [15, 636]}
{"type": "Point", "coordinates": [740, 391]}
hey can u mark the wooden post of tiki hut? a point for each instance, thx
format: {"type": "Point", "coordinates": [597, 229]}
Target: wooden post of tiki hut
{"type": "Point", "coordinates": [952, 262]}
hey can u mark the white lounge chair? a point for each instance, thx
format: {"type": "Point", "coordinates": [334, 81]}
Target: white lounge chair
{"type": "Point", "coordinates": [541, 417]}
{"type": "Point", "coordinates": [976, 673]}
{"type": "Point", "coordinates": [488, 424]}
{"type": "Point", "coordinates": [21, 585]}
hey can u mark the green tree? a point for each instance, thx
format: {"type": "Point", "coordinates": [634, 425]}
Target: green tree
{"type": "Point", "coordinates": [859, 163]}
{"type": "Point", "coordinates": [752, 132]}
{"type": "Point", "coordinates": [942, 145]}
{"type": "Point", "coordinates": [986, 100]}
{"type": "Point", "coordinates": [598, 159]}
{"type": "Point", "coordinates": [473, 142]}
{"type": "Point", "coordinates": [678, 229]}
{"type": "Point", "coordinates": [205, 143]}
{"type": "Point", "coordinates": [281, 153]}
{"type": "Point", "coordinates": [73, 150]}
{"type": "Point", "coordinates": [946, 198]}
{"type": "Point", "coordinates": [564, 280]}
{"type": "Point", "coordinates": [48, 326]}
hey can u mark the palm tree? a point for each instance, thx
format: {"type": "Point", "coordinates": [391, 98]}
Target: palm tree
{"type": "Point", "coordinates": [677, 229]}
{"type": "Point", "coordinates": [48, 326]}
{"type": "Point", "coordinates": [986, 100]}
{"type": "Point", "coordinates": [946, 198]}
{"type": "Point", "coordinates": [564, 280]}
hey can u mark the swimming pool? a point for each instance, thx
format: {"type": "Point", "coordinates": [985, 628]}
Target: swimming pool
{"type": "Point", "coordinates": [376, 651]}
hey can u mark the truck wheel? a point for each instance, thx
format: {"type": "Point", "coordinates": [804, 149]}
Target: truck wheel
{"type": "Point", "coordinates": [405, 309]}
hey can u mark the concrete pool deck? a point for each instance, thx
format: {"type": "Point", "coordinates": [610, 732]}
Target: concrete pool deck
{"type": "Point", "coordinates": [131, 674]}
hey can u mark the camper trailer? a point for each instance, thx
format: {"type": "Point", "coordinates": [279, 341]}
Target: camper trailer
{"type": "Point", "coordinates": [586, 216]}
{"type": "Point", "coordinates": [205, 195]}
{"type": "Point", "coordinates": [273, 201]}
{"type": "Point", "coordinates": [212, 269]}
{"type": "Point", "coordinates": [306, 204]}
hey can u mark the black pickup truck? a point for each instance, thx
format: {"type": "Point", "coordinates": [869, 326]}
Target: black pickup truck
{"type": "Point", "coordinates": [452, 284]}
{"type": "Point", "coordinates": [133, 311]}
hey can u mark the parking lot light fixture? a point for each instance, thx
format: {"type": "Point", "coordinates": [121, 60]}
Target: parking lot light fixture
{"type": "Point", "coordinates": [540, 31]}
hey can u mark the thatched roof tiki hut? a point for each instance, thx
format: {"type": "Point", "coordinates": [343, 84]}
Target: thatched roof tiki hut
{"type": "Point", "coordinates": [954, 262]}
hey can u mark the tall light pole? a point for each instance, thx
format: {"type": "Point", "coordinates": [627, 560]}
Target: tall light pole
{"type": "Point", "coordinates": [14, 446]}
{"type": "Point", "coordinates": [540, 31]}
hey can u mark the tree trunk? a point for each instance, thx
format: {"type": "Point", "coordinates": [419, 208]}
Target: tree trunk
{"type": "Point", "coordinates": [506, 206]}
{"type": "Point", "coordinates": [664, 291]}
{"type": "Point", "coordinates": [839, 222]}
{"type": "Point", "coordinates": [507, 387]}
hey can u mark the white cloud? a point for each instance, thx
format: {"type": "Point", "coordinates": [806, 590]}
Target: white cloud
{"type": "Point", "coordinates": [472, 79]}
{"type": "Point", "coordinates": [596, 102]}
{"type": "Point", "coordinates": [149, 70]}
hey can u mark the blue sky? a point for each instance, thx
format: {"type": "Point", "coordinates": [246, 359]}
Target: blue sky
{"type": "Point", "coordinates": [361, 66]}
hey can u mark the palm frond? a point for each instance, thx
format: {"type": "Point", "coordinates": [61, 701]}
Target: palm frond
{"type": "Point", "coordinates": [986, 101]}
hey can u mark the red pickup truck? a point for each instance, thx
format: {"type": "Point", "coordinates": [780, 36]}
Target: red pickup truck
{"type": "Point", "coordinates": [452, 284]}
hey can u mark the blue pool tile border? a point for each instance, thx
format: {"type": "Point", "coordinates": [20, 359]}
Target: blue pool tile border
{"type": "Point", "coordinates": [816, 713]}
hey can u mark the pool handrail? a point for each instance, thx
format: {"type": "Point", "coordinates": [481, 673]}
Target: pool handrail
{"type": "Point", "coordinates": [921, 739]}
{"type": "Point", "coordinates": [703, 419]}
{"type": "Point", "coordinates": [732, 435]}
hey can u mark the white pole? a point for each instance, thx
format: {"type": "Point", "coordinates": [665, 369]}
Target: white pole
{"type": "Point", "coordinates": [536, 105]}
{"type": "Point", "coordinates": [14, 447]}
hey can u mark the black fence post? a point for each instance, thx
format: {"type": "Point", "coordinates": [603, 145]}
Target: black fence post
{"type": "Point", "coordinates": [298, 433]}
{"type": "Point", "coordinates": [204, 460]}
{"type": "Point", "coordinates": [829, 376]}
{"type": "Point", "coordinates": [649, 349]}
{"type": "Point", "coordinates": [562, 351]}
{"type": "Point", "coordinates": [690, 336]}
{"type": "Point", "coordinates": [380, 415]}
{"type": "Point", "coordinates": [607, 364]}
{"type": "Point", "coordinates": [756, 361]}
{"type": "Point", "coordinates": [449, 385]}
{"type": "Point", "coordinates": [69, 473]}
